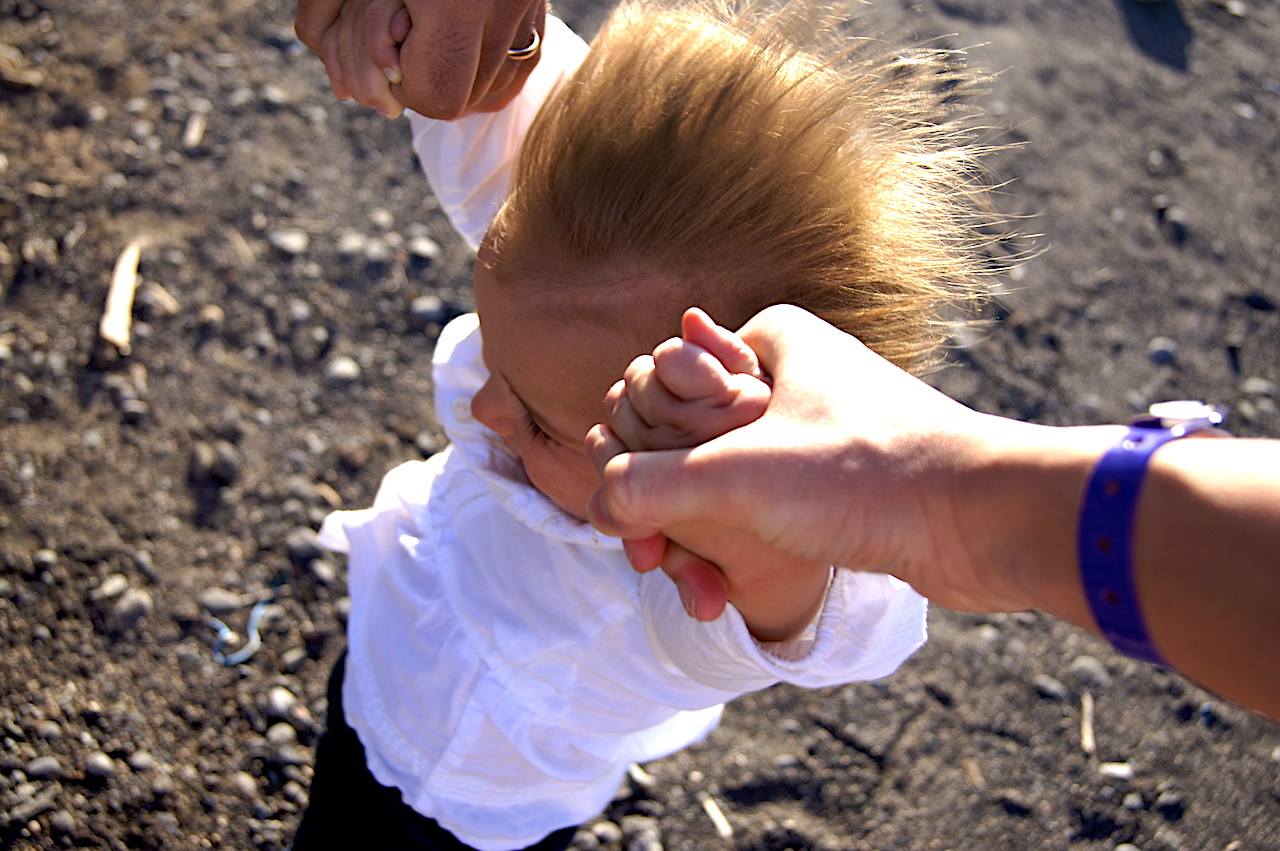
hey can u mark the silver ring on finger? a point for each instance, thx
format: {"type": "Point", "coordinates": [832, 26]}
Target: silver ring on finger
{"type": "Point", "coordinates": [528, 52]}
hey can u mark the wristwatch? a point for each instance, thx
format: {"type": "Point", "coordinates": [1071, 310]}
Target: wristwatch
{"type": "Point", "coordinates": [1105, 537]}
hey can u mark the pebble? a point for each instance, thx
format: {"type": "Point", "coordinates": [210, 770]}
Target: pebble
{"type": "Point", "coordinates": [274, 95]}
{"type": "Point", "coordinates": [280, 702]}
{"type": "Point", "coordinates": [281, 733]}
{"type": "Point", "coordinates": [162, 784]}
{"type": "Point", "coordinates": [325, 572]}
{"type": "Point", "coordinates": [43, 768]}
{"type": "Point", "coordinates": [1116, 770]}
{"type": "Point", "coordinates": [290, 241]}
{"type": "Point", "coordinates": [1014, 803]}
{"type": "Point", "coordinates": [607, 832]}
{"type": "Point", "coordinates": [141, 761]}
{"type": "Point", "coordinates": [133, 606]}
{"type": "Point", "coordinates": [245, 784]}
{"type": "Point", "coordinates": [424, 248]}
{"type": "Point", "coordinates": [1257, 386]}
{"type": "Point", "coordinates": [428, 308]}
{"type": "Point", "coordinates": [352, 245]}
{"type": "Point", "coordinates": [296, 792]}
{"type": "Point", "coordinates": [1134, 801]}
{"type": "Point", "coordinates": [293, 659]}
{"type": "Point", "coordinates": [585, 840]}
{"type": "Point", "coordinates": [636, 827]}
{"type": "Point", "coordinates": [1050, 688]}
{"type": "Point", "coordinates": [144, 561]}
{"type": "Point", "coordinates": [379, 252]}
{"type": "Point", "coordinates": [1089, 670]}
{"type": "Point", "coordinates": [303, 545]}
{"type": "Point", "coordinates": [1171, 805]}
{"type": "Point", "coordinates": [292, 755]}
{"type": "Point", "coordinates": [63, 821]}
{"type": "Point", "coordinates": [100, 765]}
{"type": "Point", "coordinates": [342, 369]}
{"type": "Point", "coordinates": [211, 316]}
{"type": "Point", "coordinates": [40, 632]}
{"type": "Point", "coordinates": [111, 587]}
{"type": "Point", "coordinates": [1163, 350]}
{"type": "Point", "coordinates": [220, 601]}
{"type": "Point", "coordinates": [215, 463]}
{"type": "Point", "coordinates": [48, 730]}
{"type": "Point", "coordinates": [44, 559]}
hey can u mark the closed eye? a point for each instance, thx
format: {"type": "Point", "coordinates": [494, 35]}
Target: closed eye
{"type": "Point", "coordinates": [535, 431]}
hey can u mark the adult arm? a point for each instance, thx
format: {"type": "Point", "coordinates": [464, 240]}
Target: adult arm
{"type": "Point", "coordinates": [441, 58]}
{"type": "Point", "coordinates": [861, 465]}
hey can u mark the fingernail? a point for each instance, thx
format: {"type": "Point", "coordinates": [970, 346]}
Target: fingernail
{"type": "Point", "coordinates": [393, 76]}
{"type": "Point", "coordinates": [689, 599]}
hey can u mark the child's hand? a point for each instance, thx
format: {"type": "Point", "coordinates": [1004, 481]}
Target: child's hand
{"type": "Point", "coordinates": [694, 388]}
{"type": "Point", "coordinates": [455, 62]}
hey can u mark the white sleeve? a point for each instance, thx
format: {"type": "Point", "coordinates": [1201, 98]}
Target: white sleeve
{"type": "Point", "coordinates": [468, 161]}
{"type": "Point", "coordinates": [869, 625]}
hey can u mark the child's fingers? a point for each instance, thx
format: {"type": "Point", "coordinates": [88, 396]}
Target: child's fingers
{"type": "Point", "coordinates": [637, 433]}
{"type": "Point", "coordinates": [691, 373]}
{"type": "Point", "coordinates": [384, 20]}
{"type": "Point", "coordinates": [366, 82]}
{"type": "Point", "coordinates": [726, 346]}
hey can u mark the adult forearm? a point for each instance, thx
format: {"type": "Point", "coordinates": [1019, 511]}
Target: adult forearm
{"type": "Point", "coordinates": [1206, 546]}
{"type": "Point", "coordinates": [1207, 564]}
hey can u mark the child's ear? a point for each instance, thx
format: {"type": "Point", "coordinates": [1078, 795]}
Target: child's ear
{"type": "Point", "coordinates": [727, 347]}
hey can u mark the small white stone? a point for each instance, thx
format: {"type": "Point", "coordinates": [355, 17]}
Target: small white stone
{"type": "Point", "coordinates": [98, 764]}
{"type": "Point", "coordinates": [245, 784]}
{"type": "Point", "coordinates": [352, 244]}
{"type": "Point", "coordinates": [113, 586]}
{"type": "Point", "coordinates": [280, 702]}
{"type": "Point", "coordinates": [343, 368]}
{"type": "Point", "coordinates": [1116, 770]}
{"type": "Point", "coordinates": [291, 241]}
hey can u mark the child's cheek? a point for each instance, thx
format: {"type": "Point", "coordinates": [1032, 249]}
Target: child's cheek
{"type": "Point", "coordinates": [564, 477]}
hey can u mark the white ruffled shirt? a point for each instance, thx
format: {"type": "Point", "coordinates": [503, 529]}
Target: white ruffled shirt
{"type": "Point", "coordinates": [505, 664]}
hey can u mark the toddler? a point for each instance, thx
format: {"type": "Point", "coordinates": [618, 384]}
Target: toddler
{"type": "Point", "coordinates": [504, 663]}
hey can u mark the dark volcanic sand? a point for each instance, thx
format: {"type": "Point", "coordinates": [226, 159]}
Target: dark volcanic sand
{"type": "Point", "coordinates": [269, 383]}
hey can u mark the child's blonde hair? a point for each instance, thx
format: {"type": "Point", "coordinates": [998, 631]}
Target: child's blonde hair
{"type": "Point", "coordinates": [751, 156]}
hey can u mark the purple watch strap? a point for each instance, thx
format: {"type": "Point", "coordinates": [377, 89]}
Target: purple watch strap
{"type": "Point", "coordinates": [1106, 539]}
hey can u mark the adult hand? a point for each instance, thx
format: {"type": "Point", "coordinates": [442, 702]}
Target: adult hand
{"type": "Point", "coordinates": [442, 58]}
{"type": "Point", "coordinates": [855, 463]}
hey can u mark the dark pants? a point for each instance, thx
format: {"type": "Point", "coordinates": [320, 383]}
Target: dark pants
{"type": "Point", "coordinates": [351, 811]}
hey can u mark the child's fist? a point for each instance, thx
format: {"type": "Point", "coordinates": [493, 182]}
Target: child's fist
{"type": "Point", "coordinates": [693, 388]}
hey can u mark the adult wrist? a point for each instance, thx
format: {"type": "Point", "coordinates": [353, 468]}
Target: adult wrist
{"type": "Point", "coordinates": [1108, 511]}
{"type": "Point", "coordinates": [1022, 499]}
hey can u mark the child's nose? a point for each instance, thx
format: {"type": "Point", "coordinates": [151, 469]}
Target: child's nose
{"type": "Point", "coordinates": [491, 409]}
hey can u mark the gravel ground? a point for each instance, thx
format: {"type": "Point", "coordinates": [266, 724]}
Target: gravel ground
{"type": "Point", "coordinates": [295, 274]}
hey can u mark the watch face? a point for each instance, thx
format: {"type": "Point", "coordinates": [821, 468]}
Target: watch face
{"type": "Point", "coordinates": [1184, 410]}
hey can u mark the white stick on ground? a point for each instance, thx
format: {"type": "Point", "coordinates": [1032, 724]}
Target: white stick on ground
{"type": "Point", "coordinates": [118, 315]}
{"type": "Point", "coordinates": [716, 815]}
{"type": "Point", "coordinates": [1087, 741]}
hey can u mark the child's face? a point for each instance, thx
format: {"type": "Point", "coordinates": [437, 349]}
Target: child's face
{"type": "Point", "coordinates": [548, 377]}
